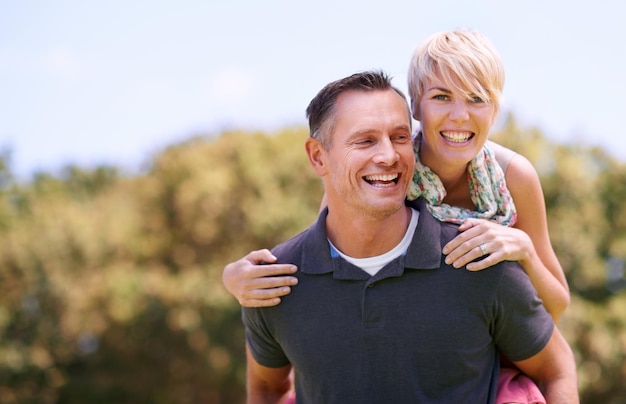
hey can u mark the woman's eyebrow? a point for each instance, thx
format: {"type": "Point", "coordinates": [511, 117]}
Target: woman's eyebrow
{"type": "Point", "coordinates": [445, 90]}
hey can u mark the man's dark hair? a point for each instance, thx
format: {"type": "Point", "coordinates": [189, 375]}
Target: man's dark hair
{"type": "Point", "coordinates": [320, 111]}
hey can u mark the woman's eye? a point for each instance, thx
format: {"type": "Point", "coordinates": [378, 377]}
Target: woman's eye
{"type": "Point", "coordinates": [440, 97]}
{"type": "Point", "coordinates": [476, 99]}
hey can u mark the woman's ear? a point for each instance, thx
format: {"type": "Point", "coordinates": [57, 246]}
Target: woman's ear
{"type": "Point", "coordinates": [316, 154]}
{"type": "Point", "coordinates": [415, 107]}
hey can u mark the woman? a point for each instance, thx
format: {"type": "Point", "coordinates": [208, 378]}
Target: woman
{"type": "Point", "coordinates": [455, 84]}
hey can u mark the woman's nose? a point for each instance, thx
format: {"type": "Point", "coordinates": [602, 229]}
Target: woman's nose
{"type": "Point", "coordinates": [460, 111]}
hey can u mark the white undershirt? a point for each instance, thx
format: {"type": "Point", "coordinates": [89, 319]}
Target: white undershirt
{"type": "Point", "coordinates": [372, 265]}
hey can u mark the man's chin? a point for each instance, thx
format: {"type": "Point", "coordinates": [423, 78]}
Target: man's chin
{"type": "Point", "coordinates": [384, 210]}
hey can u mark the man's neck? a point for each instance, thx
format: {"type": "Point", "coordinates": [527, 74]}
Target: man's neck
{"type": "Point", "coordinates": [365, 236]}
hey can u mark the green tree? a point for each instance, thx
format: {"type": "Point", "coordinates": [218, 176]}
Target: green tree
{"type": "Point", "coordinates": [110, 285]}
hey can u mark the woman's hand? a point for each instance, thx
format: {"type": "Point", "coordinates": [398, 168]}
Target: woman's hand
{"type": "Point", "coordinates": [480, 238]}
{"type": "Point", "coordinates": [254, 279]}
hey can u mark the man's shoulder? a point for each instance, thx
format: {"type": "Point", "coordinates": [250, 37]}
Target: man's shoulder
{"type": "Point", "coordinates": [292, 246]}
{"type": "Point", "coordinates": [312, 239]}
{"type": "Point", "coordinates": [448, 230]}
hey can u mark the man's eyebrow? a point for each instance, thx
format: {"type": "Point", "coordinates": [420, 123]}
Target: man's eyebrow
{"type": "Point", "coordinates": [370, 131]}
{"type": "Point", "coordinates": [402, 127]}
{"type": "Point", "coordinates": [362, 132]}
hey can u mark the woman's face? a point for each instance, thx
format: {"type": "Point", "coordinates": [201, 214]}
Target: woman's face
{"type": "Point", "coordinates": [455, 125]}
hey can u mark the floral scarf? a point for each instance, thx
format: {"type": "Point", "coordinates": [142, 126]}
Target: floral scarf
{"type": "Point", "coordinates": [488, 190]}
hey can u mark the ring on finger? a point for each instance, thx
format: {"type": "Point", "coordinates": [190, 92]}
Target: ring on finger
{"type": "Point", "coordinates": [483, 249]}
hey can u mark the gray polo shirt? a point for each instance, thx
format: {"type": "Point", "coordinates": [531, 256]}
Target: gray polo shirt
{"type": "Point", "coordinates": [417, 331]}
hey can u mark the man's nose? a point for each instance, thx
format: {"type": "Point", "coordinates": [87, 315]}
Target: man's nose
{"type": "Point", "coordinates": [386, 152]}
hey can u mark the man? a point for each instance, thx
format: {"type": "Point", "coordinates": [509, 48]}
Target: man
{"type": "Point", "coordinates": [379, 316]}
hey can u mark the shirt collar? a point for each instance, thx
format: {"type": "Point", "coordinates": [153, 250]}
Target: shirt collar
{"type": "Point", "coordinates": [423, 253]}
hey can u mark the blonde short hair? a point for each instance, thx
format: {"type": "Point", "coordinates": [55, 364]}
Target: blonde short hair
{"type": "Point", "coordinates": [464, 55]}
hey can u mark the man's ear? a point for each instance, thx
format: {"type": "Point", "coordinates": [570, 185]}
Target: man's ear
{"type": "Point", "coordinates": [316, 154]}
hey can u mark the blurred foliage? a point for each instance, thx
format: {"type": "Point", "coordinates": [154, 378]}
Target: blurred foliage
{"type": "Point", "coordinates": [585, 194]}
{"type": "Point", "coordinates": [110, 285]}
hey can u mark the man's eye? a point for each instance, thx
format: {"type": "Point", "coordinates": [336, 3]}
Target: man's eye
{"type": "Point", "coordinates": [402, 138]}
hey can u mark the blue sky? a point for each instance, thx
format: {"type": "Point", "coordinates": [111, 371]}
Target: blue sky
{"type": "Point", "coordinates": [113, 82]}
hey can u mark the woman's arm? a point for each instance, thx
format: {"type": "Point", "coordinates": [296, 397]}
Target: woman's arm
{"type": "Point", "coordinates": [532, 220]}
{"type": "Point", "coordinates": [256, 281]}
{"type": "Point", "coordinates": [528, 242]}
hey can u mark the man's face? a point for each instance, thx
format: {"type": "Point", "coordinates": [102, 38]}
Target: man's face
{"type": "Point", "coordinates": [370, 162]}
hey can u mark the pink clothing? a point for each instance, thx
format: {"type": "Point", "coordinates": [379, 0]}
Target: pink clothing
{"type": "Point", "coordinates": [516, 387]}
{"type": "Point", "coordinates": [513, 387]}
